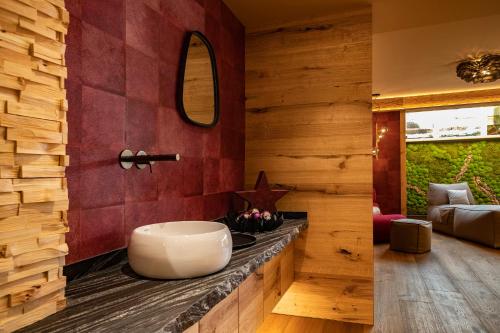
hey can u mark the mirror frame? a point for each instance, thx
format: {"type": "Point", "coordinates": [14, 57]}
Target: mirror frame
{"type": "Point", "coordinates": [182, 72]}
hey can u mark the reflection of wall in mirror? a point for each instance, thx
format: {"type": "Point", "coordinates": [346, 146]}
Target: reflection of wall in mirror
{"type": "Point", "coordinates": [198, 92]}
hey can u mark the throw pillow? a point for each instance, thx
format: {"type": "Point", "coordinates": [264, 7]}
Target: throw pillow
{"type": "Point", "coordinates": [458, 197]}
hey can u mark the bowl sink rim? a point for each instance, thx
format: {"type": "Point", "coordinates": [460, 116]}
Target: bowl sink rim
{"type": "Point", "coordinates": [154, 229]}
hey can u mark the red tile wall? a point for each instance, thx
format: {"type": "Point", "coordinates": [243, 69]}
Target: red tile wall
{"type": "Point", "coordinates": [123, 62]}
{"type": "Point", "coordinates": [387, 169]}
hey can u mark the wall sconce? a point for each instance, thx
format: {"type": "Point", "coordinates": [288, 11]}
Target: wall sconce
{"type": "Point", "coordinates": [480, 69]}
{"type": "Point", "coordinates": [379, 135]}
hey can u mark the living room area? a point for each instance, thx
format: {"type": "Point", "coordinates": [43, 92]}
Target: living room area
{"type": "Point", "coordinates": [436, 172]}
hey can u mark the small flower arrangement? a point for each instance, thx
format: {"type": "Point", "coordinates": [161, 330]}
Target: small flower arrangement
{"type": "Point", "coordinates": [254, 220]}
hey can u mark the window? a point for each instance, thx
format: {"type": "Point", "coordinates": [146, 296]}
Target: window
{"type": "Point", "coordinates": [453, 124]}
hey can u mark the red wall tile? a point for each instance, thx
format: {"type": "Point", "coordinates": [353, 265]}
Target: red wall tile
{"type": "Point", "coordinates": [101, 230]}
{"type": "Point", "coordinates": [142, 23]}
{"type": "Point", "coordinates": [211, 175]}
{"type": "Point", "coordinates": [188, 14]}
{"type": "Point", "coordinates": [193, 176]}
{"type": "Point", "coordinates": [168, 83]}
{"type": "Point", "coordinates": [101, 186]}
{"type": "Point", "coordinates": [142, 76]}
{"type": "Point", "coordinates": [106, 15]}
{"type": "Point", "coordinates": [98, 108]}
{"type": "Point", "coordinates": [74, 7]}
{"type": "Point", "coordinates": [386, 169]}
{"type": "Point", "coordinates": [123, 62]}
{"type": "Point", "coordinates": [74, 49]}
{"type": "Point", "coordinates": [74, 96]}
{"type": "Point", "coordinates": [141, 125]}
{"type": "Point", "coordinates": [138, 212]}
{"type": "Point", "coordinates": [103, 60]}
{"type": "Point", "coordinates": [195, 208]}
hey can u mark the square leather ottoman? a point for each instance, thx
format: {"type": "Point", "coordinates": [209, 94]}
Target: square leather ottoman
{"type": "Point", "coordinates": [410, 235]}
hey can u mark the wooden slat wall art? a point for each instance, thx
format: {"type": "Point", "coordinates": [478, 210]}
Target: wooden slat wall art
{"type": "Point", "coordinates": [308, 125]}
{"type": "Point", "coordinates": [33, 135]}
{"type": "Point", "coordinates": [437, 101]}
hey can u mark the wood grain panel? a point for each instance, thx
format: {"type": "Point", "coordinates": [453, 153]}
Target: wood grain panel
{"type": "Point", "coordinates": [33, 134]}
{"type": "Point", "coordinates": [277, 323]}
{"type": "Point", "coordinates": [340, 299]}
{"type": "Point", "coordinates": [223, 318]}
{"type": "Point", "coordinates": [308, 125]}
{"type": "Point", "coordinates": [287, 274]}
{"type": "Point", "coordinates": [272, 284]}
{"type": "Point", "coordinates": [251, 303]}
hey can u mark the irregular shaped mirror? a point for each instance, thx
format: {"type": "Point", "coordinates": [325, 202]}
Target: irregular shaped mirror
{"type": "Point", "coordinates": [198, 92]}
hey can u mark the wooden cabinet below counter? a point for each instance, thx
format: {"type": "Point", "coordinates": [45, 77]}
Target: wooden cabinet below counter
{"type": "Point", "coordinates": [244, 310]}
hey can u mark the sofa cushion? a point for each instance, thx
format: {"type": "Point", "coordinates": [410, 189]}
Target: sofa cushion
{"type": "Point", "coordinates": [443, 217]}
{"type": "Point", "coordinates": [479, 223]}
{"type": "Point", "coordinates": [438, 193]}
{"type": "Point", "coordinates": [458, 197]}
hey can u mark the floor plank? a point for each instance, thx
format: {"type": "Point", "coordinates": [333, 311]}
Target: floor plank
{"type": "Point", "coordinates": [455, 313]}
{"type": "Point", "coordinates": [421, 317]}
{"type": "Point", "coordinates": [484, 303]}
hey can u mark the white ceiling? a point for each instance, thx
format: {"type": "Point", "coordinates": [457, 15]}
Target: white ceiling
{"type": "Point", "coordinates": [423, 60]}
{"type": "Point", "coordinates": [416, 43]}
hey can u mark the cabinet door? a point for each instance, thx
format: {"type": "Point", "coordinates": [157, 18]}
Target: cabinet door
{"type": "Point", "coordinates": [223, 318]}
{"type": "Point", "coordinates": [272, 284]}
{"type": "Point", "coordinates": [278, 276]}
{"type": "Point", "coordinates": [287, 268]}
{"type": "Point", "coordinates": [251, 303]}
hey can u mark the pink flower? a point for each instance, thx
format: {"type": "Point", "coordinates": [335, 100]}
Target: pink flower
{"type": "Point", "coordinates": [256, 215]}
{"type": "Point", "coordinates": [254, 211]}
{"type": "Point", "coordinates": [266, 215]}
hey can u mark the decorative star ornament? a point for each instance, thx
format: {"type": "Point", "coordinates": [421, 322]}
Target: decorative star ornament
{"type": "Point", "coordinates": [262, 197]}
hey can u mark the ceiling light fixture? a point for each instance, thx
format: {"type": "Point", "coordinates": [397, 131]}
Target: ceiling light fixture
{"type": "Point", "coordinates": [480, 69]}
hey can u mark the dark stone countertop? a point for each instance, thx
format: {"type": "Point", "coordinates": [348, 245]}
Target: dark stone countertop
{"type": "Point", "coordinates": [117, 300]}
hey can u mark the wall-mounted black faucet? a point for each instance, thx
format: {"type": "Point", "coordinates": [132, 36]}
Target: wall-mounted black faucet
{"type": "Point", "coordinates": [141, 160]}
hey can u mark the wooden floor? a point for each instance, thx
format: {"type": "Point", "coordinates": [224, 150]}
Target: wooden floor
{"type": "Point", "coordinates": [454, 288]}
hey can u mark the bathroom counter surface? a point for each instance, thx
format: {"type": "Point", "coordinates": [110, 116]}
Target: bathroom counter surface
{"type": "Point", "coordinates": [118, 300]}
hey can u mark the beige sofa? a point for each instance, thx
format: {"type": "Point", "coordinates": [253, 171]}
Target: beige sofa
{"type": "Point", "coordinates": [479, 223]}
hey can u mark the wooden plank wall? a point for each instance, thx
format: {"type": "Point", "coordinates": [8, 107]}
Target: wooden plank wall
{"type": "Point", "coordinates": [33, 135]}
{"type": "Point", "coordinates": [308, 125]}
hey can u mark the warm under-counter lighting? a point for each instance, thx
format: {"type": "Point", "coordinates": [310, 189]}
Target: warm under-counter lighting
{"type": "Point", "coordinates": [480, 69]}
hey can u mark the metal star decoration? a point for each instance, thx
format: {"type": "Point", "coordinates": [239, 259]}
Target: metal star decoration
{"type": "Point", "coordinates": [262, 197]}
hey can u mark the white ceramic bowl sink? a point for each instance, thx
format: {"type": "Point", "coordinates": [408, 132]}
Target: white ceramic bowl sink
{"type": "Point", "coordinates": [180, 250]}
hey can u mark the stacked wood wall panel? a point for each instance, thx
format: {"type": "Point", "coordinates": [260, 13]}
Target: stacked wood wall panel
{"type": "Point", "coordinates": [308, 125]}
{"type": "Point", "coordinates": [33, 135]}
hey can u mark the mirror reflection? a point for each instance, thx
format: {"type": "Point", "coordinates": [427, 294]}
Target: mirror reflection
{"type": "Point", "coordinates": [199, 82]}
